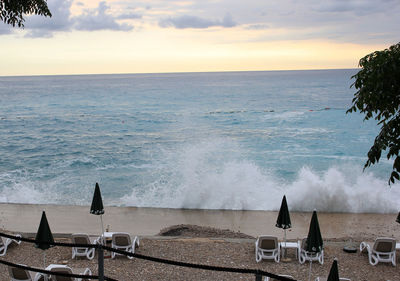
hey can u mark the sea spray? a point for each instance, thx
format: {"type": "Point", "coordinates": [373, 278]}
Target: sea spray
{"type": "Point", "coordinates": [204, 179]}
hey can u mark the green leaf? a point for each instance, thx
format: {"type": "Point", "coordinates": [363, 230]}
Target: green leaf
{"type": "Point", "coordinates": [377, 96]}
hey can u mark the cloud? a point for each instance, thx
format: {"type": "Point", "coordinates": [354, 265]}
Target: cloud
{"type": "Point", "coordinates": [95, 19]}
{"type": "Point", "coordinates": [129, 16]}
{"type": "Point", "coordinates": [353, 6]}
{"type": "Point", "coordinates": [99, 19]}
{"type": "Point", "coordinates": [39, 26]}
{"type": "Point", "coordinates": [257, 26]}
{"type": "Point", "coordinates": [187, 21]}
{"type": "Point", "coordinates": [5, 29]}
{"type": "Point", "coordinates": [356, 21]}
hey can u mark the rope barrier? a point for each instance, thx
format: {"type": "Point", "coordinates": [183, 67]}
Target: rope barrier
{"type": "Point", "coordinates": [257, 272]}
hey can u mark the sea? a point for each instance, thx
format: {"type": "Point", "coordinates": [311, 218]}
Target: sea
{"type": "Point", "coordinates": [219, 140]}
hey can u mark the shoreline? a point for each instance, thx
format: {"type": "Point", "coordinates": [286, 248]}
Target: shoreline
{"type": "Point", "coordinates": [67, 219]}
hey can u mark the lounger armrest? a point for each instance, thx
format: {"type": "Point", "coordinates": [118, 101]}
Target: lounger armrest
{"type": "Point", "coordinates": [17, 240]}
{"type": "Point", "coordinates": [93, 240]}
{"type": "Point", "coordinates": [87, 271]}
{"type": "Point", "coordinates": [40, 276]}
{"type": "Point", "coordinates": [365, 246]}
{"type": "Point", "coordinates": [82, 271]}
{"type": "Point", "coordinates": [136, 241]}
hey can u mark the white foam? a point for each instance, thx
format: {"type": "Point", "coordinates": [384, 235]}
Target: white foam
{"type": "Point", "coordinates": [345, 189]}
{"type": "Point", "coordinates": [23, 193]}
{"type": "Point", "coordinates": [214, 175]}
{"type": "Point", "coordinates": [22, 187]}
{"type": "Point", "coordinates": [284, 116]}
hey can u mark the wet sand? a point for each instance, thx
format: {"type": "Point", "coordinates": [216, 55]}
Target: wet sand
{"type": "Point", "coordinates": [65, 219]}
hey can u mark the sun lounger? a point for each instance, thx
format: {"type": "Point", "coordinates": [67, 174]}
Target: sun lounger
{"type": "Point", "coordinates": [82, 238]}
{"type": "Point", "coordinates": [5, 242]}
{"type": "Point", "coordinates": [123, 241]}
{"type": "Point", "coordinates": [267, 247]}
{"type": "Point", "coordinates": [383, 250]}
{"type": "Point", "coordinates": [19, 274]}
{"type": "Point", "coordinates": [66, 269]}
{"type": "Point", "coordinates": [304, 255]}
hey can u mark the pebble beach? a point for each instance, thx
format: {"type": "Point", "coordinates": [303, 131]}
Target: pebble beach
{"type": "Point", "coordinates": [219, 246]}
{"type": "Point", "coordinates": [205, 246]}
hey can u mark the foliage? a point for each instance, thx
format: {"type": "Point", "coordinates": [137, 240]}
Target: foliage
{"type": "Point", "coordinates": [12, 11]}
{"type": "Point", "coordinates": [378, 97]}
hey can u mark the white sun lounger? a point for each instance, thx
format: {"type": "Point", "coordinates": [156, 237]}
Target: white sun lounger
{"type": "Point", "coordinates": [304, 255]}
{"type": "Point", "coordinates": [267, 247]}
{"type": "Point", "coordinates": [82, 238]}
{"type": "Point", "coordinates": [19, 274]}
{"type": "Point", "coordinates": [383, 250]}
{"type": "Point", "coordinates": [66, 269]}
{"type": "Point", "coordinates": [5, 242]}
{"type": "Point", "coordinates": [123, 241]}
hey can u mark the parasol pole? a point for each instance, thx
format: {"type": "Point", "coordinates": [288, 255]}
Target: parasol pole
{"type": "Point", "coordinates": [284, 252]}
{"type": "Point", "coordinates": [102, 230]}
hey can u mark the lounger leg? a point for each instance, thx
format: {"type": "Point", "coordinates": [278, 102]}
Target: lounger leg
{"type": "Point", "coordinates": [90, 253]}
{"type": "Point", "coordinates": [372, 259]}
{"type": "Point", "coordinates": [3, 250]}
{"type": "Point", "coordinates": [131, 250]}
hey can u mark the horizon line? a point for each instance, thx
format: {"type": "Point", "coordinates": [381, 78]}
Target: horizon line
{"type": "Point", "coordinates": [175, 72]}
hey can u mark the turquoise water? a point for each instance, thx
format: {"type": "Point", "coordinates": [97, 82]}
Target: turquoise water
{"type": "Point", "coordinates": [236, 140]}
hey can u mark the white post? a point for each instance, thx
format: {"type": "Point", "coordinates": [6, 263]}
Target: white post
{"type": "Point", "coordinates": [102, 231]}
{"type": "Point", "coordinates": [284, 252]}
{"type": "Point", "coordinates": [309, 274]}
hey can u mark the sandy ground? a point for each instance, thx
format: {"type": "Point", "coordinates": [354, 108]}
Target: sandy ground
{"type": "Point", "coordinates": [222, 246]}
{"type": "Point", "coordinates": [64, 219]}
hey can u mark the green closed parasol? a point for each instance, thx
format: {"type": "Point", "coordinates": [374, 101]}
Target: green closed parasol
{"type": "Point", "coordinates": [97, 208]}
{"type": "Point", "coordinates": [44, 236]}
{"type": "Point", "coordinates": [334, 272]}
{"type": "Point", "coordinates": [314, 238]}
{"type": "Point", "coordinates": [283, 220]}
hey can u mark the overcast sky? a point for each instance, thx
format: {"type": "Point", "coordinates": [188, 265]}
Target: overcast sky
{"type": "Point", "coordinates": [90, 36]}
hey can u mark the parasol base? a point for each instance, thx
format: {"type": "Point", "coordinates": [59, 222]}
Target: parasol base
{"type": "Point", "coordinates": [350, 249]}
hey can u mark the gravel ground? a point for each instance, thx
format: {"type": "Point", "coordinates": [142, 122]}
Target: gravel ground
{"type": "Point", "coordinates": [207, 246]}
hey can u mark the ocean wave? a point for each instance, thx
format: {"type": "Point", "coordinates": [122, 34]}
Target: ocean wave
{"type": "Point", "coordinates": [242, 186]}
{"type": "Point", "coordinates": [213, 174]}
{"type": "Point", "coordinates": [203, 179]}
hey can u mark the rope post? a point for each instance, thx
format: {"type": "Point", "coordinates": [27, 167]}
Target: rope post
{"type": "Point", "coordinates": [258, 277]}
{"type": "Point", "coordinates": [100, 255]}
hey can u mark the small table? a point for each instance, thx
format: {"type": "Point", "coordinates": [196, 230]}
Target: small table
{"type": "Point", "coordinates": [397, 246]}
{"type": "Point", "coordinates": [107, 236]}
{"type": "Point", "coordinates": [288, 245]}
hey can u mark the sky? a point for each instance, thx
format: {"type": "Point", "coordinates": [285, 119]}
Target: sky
{"type": "Point", "coordinates": [156, 36]}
